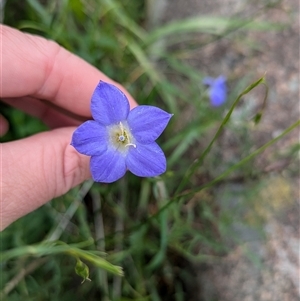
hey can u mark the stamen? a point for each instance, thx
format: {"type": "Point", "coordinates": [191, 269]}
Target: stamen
{"type": "Point", "coordinates": [122, 128]}
{"type": "Point", "coordinates": [131, 144]}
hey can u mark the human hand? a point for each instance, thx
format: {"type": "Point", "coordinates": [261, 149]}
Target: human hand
{"type": "Point", "coordinates": [45, 80]}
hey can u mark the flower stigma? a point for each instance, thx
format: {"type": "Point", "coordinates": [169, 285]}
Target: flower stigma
{"type": "Point", "coordinates": [120, 136]}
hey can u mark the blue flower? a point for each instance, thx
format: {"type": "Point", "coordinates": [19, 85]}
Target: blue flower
{"type": "Point", "coordinates": [119, 139]}
{"type": "Point", "coordinates": [217, 90]}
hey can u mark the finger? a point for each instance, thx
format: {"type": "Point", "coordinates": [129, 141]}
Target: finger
{"type": "Point", "coordinates": [34, 66]}
{"type": "Point", "coordinates": [52, 116]}
{"type": "Point", "coordinates": [3, 126]}
{"type": "Point", "coordinates": [38, 169]}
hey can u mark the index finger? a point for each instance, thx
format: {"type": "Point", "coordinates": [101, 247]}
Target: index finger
{"type": "Point", "coordinates": [37, 67]}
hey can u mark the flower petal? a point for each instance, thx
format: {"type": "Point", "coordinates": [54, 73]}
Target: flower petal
{"type": "Point", "coordinates": [90, 138]}
{"type": "Point", "coordinates": [146, 160]}
{"type": "Point", "coordinates": [109, 105]}
{"type": "Point", "coordinates": [146, 123]}
{"type": "Point", "coordinates": [218, 91]}
{"type": "Point", "coordinates": [108, 167]}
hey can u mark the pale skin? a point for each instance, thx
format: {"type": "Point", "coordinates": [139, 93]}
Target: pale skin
{"type": "Point", "coordinates": [45, 80]}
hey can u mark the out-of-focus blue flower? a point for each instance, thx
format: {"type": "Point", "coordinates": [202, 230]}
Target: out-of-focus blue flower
{"type": "Point", "coordinates": [119, 139]}
{"type": "Point", "coordinates": [217, 90]}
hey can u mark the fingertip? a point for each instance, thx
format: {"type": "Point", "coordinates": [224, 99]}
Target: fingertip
{"type": "Point", "coordinates": [75, 170]}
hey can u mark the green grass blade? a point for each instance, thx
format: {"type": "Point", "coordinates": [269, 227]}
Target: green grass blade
{"type": "Point", "coordinates": [44, 16]}
{"type": "Point", "coordinates": [199, 161]}
{"type": "Point", "coordinates": [122, 18]}
{"type": "Point", "coordinates": [56, 248]}
{"type": "Point", "coordinates": [207, 24]}
{"type": "Point", "coordinates": [245, 160]}
{"type": "Point", "coordinates": [191, 192]}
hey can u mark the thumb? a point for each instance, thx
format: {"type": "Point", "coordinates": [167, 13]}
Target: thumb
{"type": "Point", "coordinates": [36, 169]}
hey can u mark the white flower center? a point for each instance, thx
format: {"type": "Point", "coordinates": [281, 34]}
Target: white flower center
{"type": "Point", "coordinates": [120, 136]}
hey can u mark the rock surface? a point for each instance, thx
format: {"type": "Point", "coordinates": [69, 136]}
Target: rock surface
{"type": "Point", "coordinates": [273, 272]}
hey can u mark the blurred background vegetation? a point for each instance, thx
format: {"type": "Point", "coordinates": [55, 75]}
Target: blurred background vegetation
{"type": "Point", "coordinates": [160, 230]}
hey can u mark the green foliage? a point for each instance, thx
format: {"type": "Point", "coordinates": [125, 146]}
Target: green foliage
{"type": "Point", "coordinates": [155, 229]}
